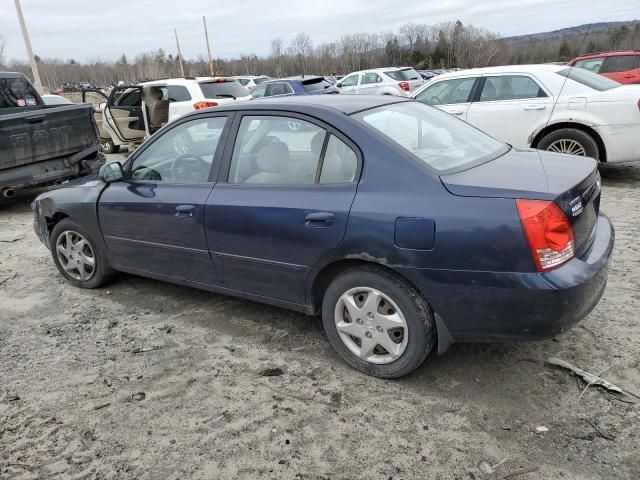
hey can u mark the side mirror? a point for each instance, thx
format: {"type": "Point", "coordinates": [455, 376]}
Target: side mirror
{"type": "Point", "coordinates": [111, 172]}
{"type": "Point", "coordinates": [339, 85]}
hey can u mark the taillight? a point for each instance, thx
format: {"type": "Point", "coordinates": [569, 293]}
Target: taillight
{"type": "Point", "coordinates": [204, 104]}
{"type": "Point", "coordinates": [548, 231]}
{"type": "Point", "coordinates": [404, 86]}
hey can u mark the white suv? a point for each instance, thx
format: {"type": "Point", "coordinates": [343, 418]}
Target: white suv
{"type": "Point", "coordinates": [250, 81]}
{"type": "Point", "coordinates": [194, 93]}
{"type": "Point", "coordinates": [381, 81]}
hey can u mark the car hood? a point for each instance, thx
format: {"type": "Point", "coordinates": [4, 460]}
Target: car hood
{"type": "Point", "coordinates": [522, 173]}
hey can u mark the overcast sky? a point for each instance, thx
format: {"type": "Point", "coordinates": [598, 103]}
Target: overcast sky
{"type": "Point", "coordinates": [88, 29]}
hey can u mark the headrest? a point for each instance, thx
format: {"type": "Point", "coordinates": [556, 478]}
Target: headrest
{"type": "Point", "coordinates": [273, 158]}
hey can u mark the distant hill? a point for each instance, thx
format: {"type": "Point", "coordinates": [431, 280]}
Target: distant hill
{"type": "Point", "coordinates": [570, 31]}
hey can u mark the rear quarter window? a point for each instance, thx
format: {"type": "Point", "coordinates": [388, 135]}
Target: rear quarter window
{"type": "Point", "coordinates": [591, 80]}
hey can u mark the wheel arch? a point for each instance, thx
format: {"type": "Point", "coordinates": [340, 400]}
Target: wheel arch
{"type": "Point", "coordinates": [577, 126]}
{"type": "Point", "coordinates": [54, 219]}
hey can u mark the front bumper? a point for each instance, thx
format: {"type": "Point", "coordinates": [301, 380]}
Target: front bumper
{"type": "Point", "coordinates": [506, 306]}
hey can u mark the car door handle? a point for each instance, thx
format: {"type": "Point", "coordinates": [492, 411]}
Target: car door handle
{"type": "Point", "coordinates": [35, 118]}
{"type": "Point", "coordinates": [535, 107]}
{"type": "Point", "coordinates": [319, 219]}
{"type": "Point", "coordinates": [456, 112]}
{"type": "Point", "coordinates": [185, 211]}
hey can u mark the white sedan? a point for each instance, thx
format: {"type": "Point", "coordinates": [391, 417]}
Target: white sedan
{"type": "Point", "coordinates": [550, 107]}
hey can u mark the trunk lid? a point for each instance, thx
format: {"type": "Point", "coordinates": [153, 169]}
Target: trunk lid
{"type": "Point", "coordinates": [572, 182]}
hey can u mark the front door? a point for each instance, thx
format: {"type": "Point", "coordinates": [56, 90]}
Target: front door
{"type": "Point", "coordinates": [153, 222]}
{"type": "Point", "coordinates": [349, 85]}
{"type": "Point", "coordinates": [451, 95]}
{"type": "Point", "coordinates": [123, 114]}
{"type": "Point", "coordinates": [509, 107]}
{"type": "Point", "coordinates": [283, 205]}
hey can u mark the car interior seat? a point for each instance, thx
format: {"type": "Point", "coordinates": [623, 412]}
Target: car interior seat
{"type": "Point", "coordinates": [157, 108]}
{"type": "Point", "coordinates": [273, 161]}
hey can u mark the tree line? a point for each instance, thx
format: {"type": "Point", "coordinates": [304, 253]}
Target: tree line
{"type": "Point", "coordinates": [450, 44]}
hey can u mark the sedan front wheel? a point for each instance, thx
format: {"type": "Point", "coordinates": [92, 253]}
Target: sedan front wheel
{"type": "Point", "coordinates": [77, 256]}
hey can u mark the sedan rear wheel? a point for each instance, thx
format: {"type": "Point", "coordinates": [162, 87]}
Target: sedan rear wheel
{"type": "Point", "coordinates": [377, 322]}
{"type": "Point", "coordinates": [570, 141]}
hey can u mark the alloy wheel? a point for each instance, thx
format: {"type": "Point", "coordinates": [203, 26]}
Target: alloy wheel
{"type": "Point", "coordinates": [75, 255]}
{"type": "Point", "coordinates": [371, 325]}
{"type": "Point", "coordinates": [565, 145]}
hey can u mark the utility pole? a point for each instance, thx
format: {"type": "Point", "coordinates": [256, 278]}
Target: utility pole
{"type": "Point", "coordinates": [27, 43]}
{"type": "Point", "coordinates": [206, 36]}
{"type": "Point", "coordinates": [179, 52]}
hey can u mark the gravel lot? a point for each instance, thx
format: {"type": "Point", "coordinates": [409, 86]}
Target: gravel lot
{"type": "Point", "coordinates": [76, 401]}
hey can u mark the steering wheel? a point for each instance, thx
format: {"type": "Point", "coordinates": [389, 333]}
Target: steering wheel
{"type": "Point", "coordinates": [189, 168]}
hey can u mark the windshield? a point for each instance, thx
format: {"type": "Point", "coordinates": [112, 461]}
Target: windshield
{"type": "Point", "coordinates": [223, 90]}
{"type": "Point", "coordinates": [591, 80]}
{"type": "Point", "coordinates": [316, 84]}
{"type": "Point", "coordinates": [441, 141]}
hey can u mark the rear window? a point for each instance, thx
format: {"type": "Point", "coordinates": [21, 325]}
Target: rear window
{"type": "Point", "coordinates": [442, 142]}
{"type": "Point", "coordinates": [591, 80]}
{"type": "Point", "coordinates": [17, 93]}
{"type": "Point", "coordinates": [315, 84]}
{"type": "Point", "coordinates": [405, 74]}
{"type": "Point", "coordinates": [223, 90]}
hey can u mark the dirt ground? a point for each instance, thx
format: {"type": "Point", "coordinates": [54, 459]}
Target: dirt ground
{"type": "Point", "coordinates": [78, 402]}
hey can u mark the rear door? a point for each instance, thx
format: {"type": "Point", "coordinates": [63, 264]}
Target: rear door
{"type": "Point", "coordinates": [452, 95]}
{"type": "Point", "coordinates": [370, 83]}
{"type": "Point", "coordinates": [123, 113]}
{"type": "Point", "coordinates": [509, 107]}
{"type": "Point", "coordinates": [281, 203]}
{"type": "Point", "coordinates": [622, 68]}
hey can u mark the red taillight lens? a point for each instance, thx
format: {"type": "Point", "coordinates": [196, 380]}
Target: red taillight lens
{"type": "Point", "coordinates": [548, 231]}
{"type": "Point", "coordinates": [404, 86]}
{"type": "Point", "coordinates": [204, 104]}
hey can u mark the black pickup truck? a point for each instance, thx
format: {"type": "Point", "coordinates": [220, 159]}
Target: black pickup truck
{"type": "Point", "coordinates": [42, 144]}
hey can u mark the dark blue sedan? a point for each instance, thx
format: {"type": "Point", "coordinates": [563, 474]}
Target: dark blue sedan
{"type": "Point", "coordinates": [404, 227]}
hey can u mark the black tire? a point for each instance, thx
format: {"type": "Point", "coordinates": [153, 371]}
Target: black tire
{"type": "Point", "coordinates": [101, 272]}
{"type": "Point", "coordinates": [109, 147]}
{"type": "Point", "coordinates": [421, 327]}
{"type": "Point", "coordinates": [586, 141]}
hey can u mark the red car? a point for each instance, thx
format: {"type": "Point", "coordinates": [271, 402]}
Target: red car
{"type": "Point", "coordinates": [623, 67]}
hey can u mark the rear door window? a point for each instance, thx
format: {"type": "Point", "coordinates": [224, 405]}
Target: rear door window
{"type": "Point", "coordinates": [268, 151]}
{"type": "Point", "coordinates": [510, 87]}
{"type": "Point", "coordinates": [17, 93]}
{"type": "Point", "coordinates": [278, 88]}
{"type": "Point", "coordinates": [369, 78]}
{"type": "Point", "coordinates": [620, 63]}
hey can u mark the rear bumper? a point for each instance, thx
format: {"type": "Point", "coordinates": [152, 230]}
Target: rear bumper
{"type": "Point", "coordinates": [621, 142]}
{"type": "Point", "coordinates": [501, 307]}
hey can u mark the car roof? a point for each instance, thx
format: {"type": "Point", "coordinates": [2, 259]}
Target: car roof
{"type": "Point", "coordinates": [607, 54]}
{"type": "Point", "coordinates": [503, 69]}
{"type": "Point", "coordinates": [347, 104]}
